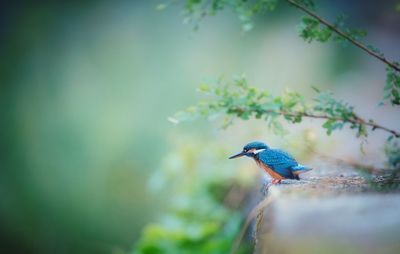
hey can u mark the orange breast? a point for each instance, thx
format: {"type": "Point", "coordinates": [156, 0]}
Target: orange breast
{"type": "Point", "coordinates": [269, 171]}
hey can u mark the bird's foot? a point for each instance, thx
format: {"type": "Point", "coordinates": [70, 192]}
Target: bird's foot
{"type": "Point", "coordinates": [276, 181]}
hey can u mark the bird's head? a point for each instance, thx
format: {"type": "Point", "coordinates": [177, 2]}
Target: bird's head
{"type": "Point", "coordinates": [251, 149]}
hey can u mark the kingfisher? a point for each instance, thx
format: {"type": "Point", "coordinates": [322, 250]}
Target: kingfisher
{"type": "Point", "coordinates": [275, 162]}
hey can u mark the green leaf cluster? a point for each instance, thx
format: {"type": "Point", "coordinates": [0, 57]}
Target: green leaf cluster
{"type": "Point", "coordinates": [355, 34]}
{"type": "Point", "coordinates": [392, 86]}
{"type": "Point", "coordinates": [338, 113]}
{"type": "Point", "coordinates": [237, 99]}
{"type": "Point", "coordinates": [196, 10]}
{"type": "Point", "coordinates": [311, 29]}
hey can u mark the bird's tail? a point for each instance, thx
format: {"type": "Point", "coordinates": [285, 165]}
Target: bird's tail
{"type": "Point", "coordinates": [300, 169]}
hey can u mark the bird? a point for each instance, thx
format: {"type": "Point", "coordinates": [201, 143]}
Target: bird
{"type": "Point", "coordinates": [275, 162]}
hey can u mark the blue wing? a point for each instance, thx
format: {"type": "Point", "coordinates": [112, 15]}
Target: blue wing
{"type": "Point", "coordinates": [279, 161]}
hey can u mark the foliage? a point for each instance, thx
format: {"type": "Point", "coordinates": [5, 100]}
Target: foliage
{"type": "Point", "coordinates": [312, 29]}
{"type": "Point", "coordinates": [392, 86]}
{"type": "Point", "coordinates": [203, 216]}
{"type": "Point", "coordinates": [239, 99]}
{"type": "Point", "coordinates": [196, 10]}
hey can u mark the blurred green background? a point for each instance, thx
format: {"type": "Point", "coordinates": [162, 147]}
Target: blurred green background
{"type": "Point", "coordinates": [87, 86]}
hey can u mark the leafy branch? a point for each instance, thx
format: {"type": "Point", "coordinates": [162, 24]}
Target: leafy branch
{"type": "Point", "coordinates": [238, 99]}
{"type": "Point", "coordinates": [197, 9]}
{"type": "Point", "coordinates": [310, 29]}
{"type": "Point", "coordinates": [344, 35]}
{"type": "Point", "coordinates": [354, 120]}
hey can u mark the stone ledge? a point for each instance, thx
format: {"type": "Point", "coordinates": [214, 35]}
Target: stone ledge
{"type": "Point", "coordinates": [331, 213]}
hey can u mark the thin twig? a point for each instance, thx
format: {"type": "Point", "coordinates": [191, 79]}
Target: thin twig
{"type": "Point", "coordinates": [344, 35]}
{"type": "Point", "coordinates": [355, 120]}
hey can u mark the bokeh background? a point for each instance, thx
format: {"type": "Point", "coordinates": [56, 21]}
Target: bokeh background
{"type": "Point", "coordinates": [87, 86]}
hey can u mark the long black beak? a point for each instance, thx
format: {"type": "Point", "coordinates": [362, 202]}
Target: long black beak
{"type": "Point", "coordinates": [237, 155]}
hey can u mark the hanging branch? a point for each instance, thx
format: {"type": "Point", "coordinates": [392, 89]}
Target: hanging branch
{"type": "Point", "coordinates": [343, 34]}
{"type": "Point", "coordinates": [239, 99]}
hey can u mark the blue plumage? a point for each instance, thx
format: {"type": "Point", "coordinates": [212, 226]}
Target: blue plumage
{"type": "Point", "coordinates": [279, 164]}
{"type": "Point", "coordinates": [279, 161]}
{"type": "Point", "coordinates": [300, 168]}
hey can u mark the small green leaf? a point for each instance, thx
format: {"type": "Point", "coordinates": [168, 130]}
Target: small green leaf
{"type": "Point", "coordinates": [328, 125]}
